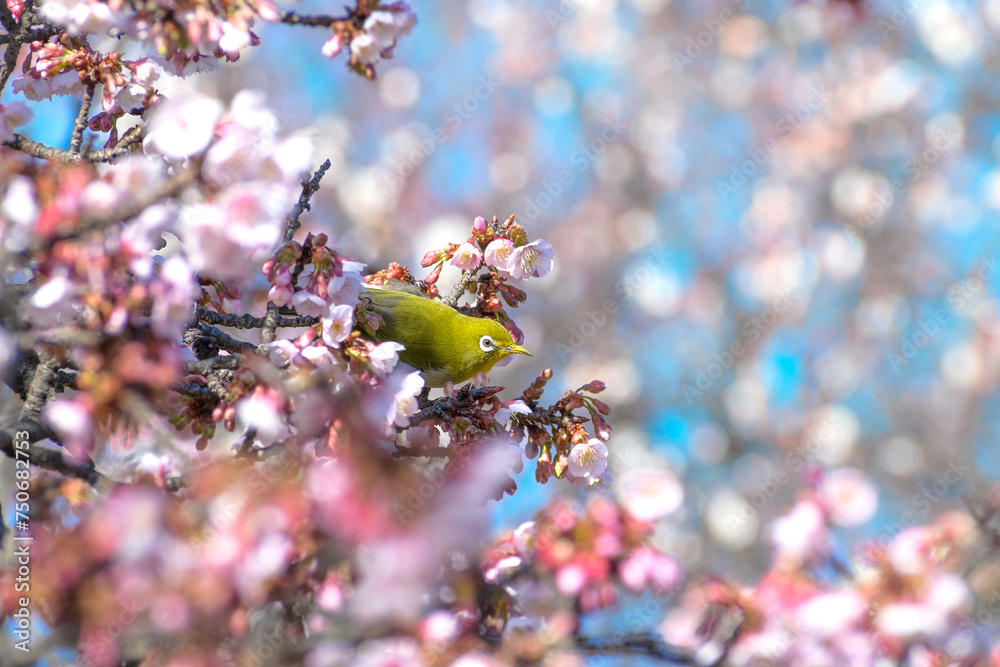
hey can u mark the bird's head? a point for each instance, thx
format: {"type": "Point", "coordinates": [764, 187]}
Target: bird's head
{"type": "Point", "coordinates": [483, 343]}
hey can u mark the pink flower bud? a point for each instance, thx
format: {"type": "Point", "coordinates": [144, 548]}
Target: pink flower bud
{"type": "Point", "coordinates": [594, 387]}
{"type": "Point", "coordinates": [430, 258]}
{"type": "Point", "coordinates": [479, 225]}
{"type": "Point", "coordinates": [433, 276]}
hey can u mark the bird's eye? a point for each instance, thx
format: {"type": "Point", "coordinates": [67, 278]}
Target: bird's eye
{"type": "Point", "coordinates": [486, 344]}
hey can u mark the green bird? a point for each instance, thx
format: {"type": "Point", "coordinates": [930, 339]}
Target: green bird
{"type": "Point", "coordinates": [442, 343]}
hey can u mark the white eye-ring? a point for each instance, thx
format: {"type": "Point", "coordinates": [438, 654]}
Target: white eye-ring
{"type": "Point", "coordinates": [486, 344]}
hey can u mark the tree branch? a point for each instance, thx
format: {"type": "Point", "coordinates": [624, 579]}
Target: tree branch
{"type": "Point", "coordinates": [449, 406]}
{"type": "Point", "coordinates": [636, 644]}
{"type": "Point", "coordinates": [468, 277]}
{"type": "Point", "coordinates": [80, 124]}
{"type": "Point", "coordinates": [43, 152]}
{"type": "Point", "coordinates": [309, 188]}
{"type": "Point", "coordinates": [224, 340]}
{"type": "Point", "coordinates": [206, 366]}
{"type": "Point", "coordinates": [247, 321]}
{"type": "Point", "coordinates": [38, 390]}
{"type": "Point", "coordinates": [49, 459]}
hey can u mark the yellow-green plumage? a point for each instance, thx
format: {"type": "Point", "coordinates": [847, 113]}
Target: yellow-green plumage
{"type": "Point", "coordinates": [442, 343]}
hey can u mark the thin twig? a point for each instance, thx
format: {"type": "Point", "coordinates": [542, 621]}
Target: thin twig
{"type": "Point", "coordinates": [314, 21]}
{"type": "Point", "coordinates": [80, 124]}
{"type": "Point", "coordinates": [309, 188]}
{"type": "Point", "coordinates": [637, 644]}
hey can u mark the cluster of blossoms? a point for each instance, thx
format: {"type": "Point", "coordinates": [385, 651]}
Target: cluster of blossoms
{"type": "Point", "coordinates": [189, 36]}
{"type": "Point", "coordinates": [380, 31]}
{"type": "Point", "coordinates": [582, 556]}
{"type": "Point", "coordinates": [68, 66]}
{"type": "Point", "coordinates": [902, 595]}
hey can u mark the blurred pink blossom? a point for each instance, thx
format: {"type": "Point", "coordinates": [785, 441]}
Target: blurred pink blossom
{"type": "Point", "coordinates": [849, 497]}
{"type": "Point", "coordinates": [72, 421]}
{"type": "Point", "coordinates": [652, 494]}
{"type": "Point", "coordinates": [52, 303]}
{"type": "Point", "coordinates": [333, 45]}
{"type": "Point", "coordinates": [183, 127]}
{"type": "Point", "coordinates": [365, 48]}
{"type": "Point", "coordinates": [800, 536]}
{"type": "Point", "coordinates": [173, 290]}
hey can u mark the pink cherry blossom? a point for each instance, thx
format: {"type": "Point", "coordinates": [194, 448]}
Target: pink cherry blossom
{"type": "Point", "coordinates": [524, 538]}
{"type": "Point", "coordinates": [532, 260]}
{"type": "Point", "coordinates": [648, 567]}
{"type": "Point", "coordinates": [588, 459]}
{"type": "Point", "coordinates": [382, 27]}
{"type": "Point", "coordinates": [13, 115]}
{"type": "Point", "coordinates": [52, 303]}
{"type": "Point", "coordinates": [365, 48]}
{"type": "Point", "coordinates": [404, 400]}
{"type": "Point", "coordinates": [384, 357]}
{"type": "Point", "coordinates": [346, 288]}
{"type": "Point", "coordinates": [262, 411]}
{"type": "Point", "coordinates": [309, 303]}
{"type": "Point", "coordinates": [516, 406]}
{"type": "Point", "coordinates": [225, 239]}
{"type": "Point", "coordinates": [337, 325]}
{"type": "Point", "coordinates": [498, 253]}
{"type": "Point", "coordinates": [467, 257]}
